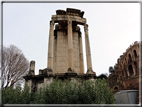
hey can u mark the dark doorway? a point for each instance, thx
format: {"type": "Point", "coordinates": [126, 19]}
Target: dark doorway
{"type": "Point", "coordinates": [130, 70]}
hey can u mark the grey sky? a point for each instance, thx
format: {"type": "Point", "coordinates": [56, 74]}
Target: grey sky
{"type": "Point", "coordinates": [112, 28]}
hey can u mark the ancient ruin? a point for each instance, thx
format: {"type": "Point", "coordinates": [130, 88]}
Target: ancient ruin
{"type": "Point", "coordinates": [65, 51]}
{"type": "Point", "coordinates": [127, 70]}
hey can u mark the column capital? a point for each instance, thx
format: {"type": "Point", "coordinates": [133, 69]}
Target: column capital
{"type": "Point", "coordinates": [51, 23]}
{"type": "Point", "coordinates": [85, 27]}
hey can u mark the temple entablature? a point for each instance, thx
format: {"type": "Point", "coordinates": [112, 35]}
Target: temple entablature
{"type": "Point", "coordinates": [74, 15]}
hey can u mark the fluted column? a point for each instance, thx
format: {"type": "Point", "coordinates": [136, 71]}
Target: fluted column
{"type": "Point", "coordinates": [81, 55]}
{"type": "Point", "coordinates": [70, 45]}
{"type": "Point", "coordinates": [50, 46]}
{"type": "Point", "coordinates": [88, 51]}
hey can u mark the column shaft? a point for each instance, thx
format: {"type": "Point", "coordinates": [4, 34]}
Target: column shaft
{"type": "Point", "coordinates": [81, 55]}
{"type": "Point", "coordinates": [32, 65]}
{"type": "Point", "coordinates": [70, 45]}
{"type": "Point", "coordinates": [50, 46]}
{"type": "Point", "coordinates": [88, 51]}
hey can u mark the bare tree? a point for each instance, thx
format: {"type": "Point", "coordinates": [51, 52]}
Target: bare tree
{"type": "Point", "coordinates": [14, 65]}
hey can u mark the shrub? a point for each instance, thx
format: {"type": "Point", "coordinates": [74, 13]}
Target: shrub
{"type": "Point", "coordinates": [67, 92]}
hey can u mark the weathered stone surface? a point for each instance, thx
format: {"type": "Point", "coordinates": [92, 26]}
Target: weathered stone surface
{"type": "Point", "coordinates": [126, 76]}
{"type": "Point", "coordinates": [32, 65]}
{"type": "Point", "coordinates": [65, 51]}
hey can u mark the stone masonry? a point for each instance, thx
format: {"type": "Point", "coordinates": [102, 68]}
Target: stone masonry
{"type": "Point", "coordinates": [65, 51]}
{"type": "Point", "coordinates": [127, 70]}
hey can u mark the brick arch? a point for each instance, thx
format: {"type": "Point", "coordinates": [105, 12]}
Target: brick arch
{"type": "Point", "coordinates": [130, 68]}
{"type": "Point", "coordinates": [124, 65]}
{"type": "Point", "coordinates": [125, 60]}
{"type": "Point", "coordinates": [135, 54]}
{"type": "Point", "coordinates": [129, 57]}
{"type": "Point", "coordinates": [116, 87]}
{"type": "Point", "coordinates": [137, 49]}
{"type": "Point", "coordinates": [125, 73]}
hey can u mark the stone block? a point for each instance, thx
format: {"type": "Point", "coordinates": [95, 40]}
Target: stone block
{"type": "Point", "coordinates": [76, 59]}
{"type": "Point", "coordinates": [65, 41]}
{"type": "Point", "coordinates": [59, 45]}
{"type": "Point", "coordinates": [76, 55]}
{"type": "Point", "coordinates": [40, 85]}
{"type": "Point", "coordinates": [76, 64]}
{"type": "Point", "coordinates": [76, 51]}
{"type": "Point", "coordinates": [48, 80]}
{"type": "Point", "coordinates": [58, 54]}
{"type": "Point", "coordinates": [60, 49]}
{"type": "Point", "coordinates": [63, 53]}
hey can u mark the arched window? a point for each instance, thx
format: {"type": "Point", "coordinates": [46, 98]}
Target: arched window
{"type": "Point", "coordinates": [135, 53]}
{"type": "Point", "coordinates": [130, 59]}
{"type": "Point", "coordinates": [130, 70]}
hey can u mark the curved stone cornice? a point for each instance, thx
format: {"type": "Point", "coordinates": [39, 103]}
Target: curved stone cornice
{"type": "Point", "coordinates": [125, 54]}
{"type": "Point", "coordinates": [59, 18]}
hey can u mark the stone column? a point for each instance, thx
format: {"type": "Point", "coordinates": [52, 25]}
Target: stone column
{"type": "Point", "coordinates": [32, 65]}
{"type": "Point", "coordinates": [81, 55]}
{"type": "Point", "coordinates": [88, 51]}
{"type": "Point", "coordinates": [30, 85]}
{"type": "Point", "coordinates": [50, 46]}
{"type": "Point", "coordinates": [70, 45]}
{"type": "Point", "coordinates": [32, 68]}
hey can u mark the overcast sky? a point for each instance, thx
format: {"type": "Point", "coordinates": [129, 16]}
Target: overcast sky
{"type": "Point", "coordinates": [112, 28]}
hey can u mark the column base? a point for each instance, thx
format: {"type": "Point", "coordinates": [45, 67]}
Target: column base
{"type": "Point", "coordinates": [31, 72]}
{"type": "Point", "coordinates": [90, 74]}
{"type": "Point", "coordinates": [70, 74]}
{"type": "Point", "coordinates": [48, 72]}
